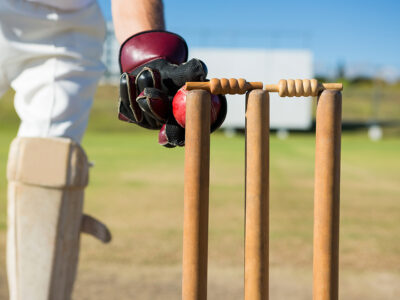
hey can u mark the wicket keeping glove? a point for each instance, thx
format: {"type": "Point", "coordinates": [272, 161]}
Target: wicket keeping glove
{"type": "Point", "coordinates": [153, 67]}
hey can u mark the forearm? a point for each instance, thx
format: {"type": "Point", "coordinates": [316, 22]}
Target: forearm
{"type": "Point", "coordinates": [133, 16]}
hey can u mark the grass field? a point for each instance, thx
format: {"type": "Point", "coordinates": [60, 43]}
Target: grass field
{"type": "Point", "coordinates": [136, 187]}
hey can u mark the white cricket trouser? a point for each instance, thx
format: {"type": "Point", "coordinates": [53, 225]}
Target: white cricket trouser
{"type": "Point", "coordinates": [51, 58]}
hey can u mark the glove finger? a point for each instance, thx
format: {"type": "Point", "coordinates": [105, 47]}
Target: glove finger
{"type": "Point", "coordinates": [171, 134]}
{"type": "Point", "coordinates": [147, 122]}
{"type": "Point", "coordinates": [147, 78]}
{"type": "Point", "coordinates": [163, 139]}
{"type": "Point", "coordinates": [129, 110]}
{"type": "Point", "coordinates": [155, 103]}
{"type": "Point", "coordinates": [175, 134]}
{"type": "Point", "coordinates": [150, 122]}
{"type": "Point", "coordinates": [221, 115]}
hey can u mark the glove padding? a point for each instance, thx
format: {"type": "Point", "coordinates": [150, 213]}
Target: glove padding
{"type": "Point", "coordinates": [153, 66]}
{"type": "Point", "coordinates": [147, 91]}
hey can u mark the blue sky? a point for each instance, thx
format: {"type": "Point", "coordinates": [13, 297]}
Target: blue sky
{"type": "Point", "coordinates": [363, 35]}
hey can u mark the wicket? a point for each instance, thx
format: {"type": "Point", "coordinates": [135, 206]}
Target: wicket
{"type": "Point", "coordinates": [196, 190]}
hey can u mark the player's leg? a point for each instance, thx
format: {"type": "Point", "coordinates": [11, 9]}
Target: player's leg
{"type": "Point", "coordinates": [46, 178]}
{"type": "Point", "coordinates": [47, 168]}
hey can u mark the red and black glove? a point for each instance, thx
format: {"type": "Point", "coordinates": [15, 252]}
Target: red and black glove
{"type": "Point", "coordinates": [153, 66]}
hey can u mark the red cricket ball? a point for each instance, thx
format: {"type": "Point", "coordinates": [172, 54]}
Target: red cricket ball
{"type": "Point", "coordinates": [179, 107]}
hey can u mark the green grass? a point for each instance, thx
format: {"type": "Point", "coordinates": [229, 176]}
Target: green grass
{"type": "Point", "coordinates": [359, 103]}
{"type": "Point", "coordinates": [136, 187]}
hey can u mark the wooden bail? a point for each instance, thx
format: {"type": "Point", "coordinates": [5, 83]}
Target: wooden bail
{"type": "Point", "coordinates": [257, 196]}
{"type": "Point", "coordinates": [196, 195]}
{"type": "Point", "coordinates": [327, 196]}
{"type": "Point", "coordinates": [225, 86]}
{"type": "Point", "coordinates": [285, 88]}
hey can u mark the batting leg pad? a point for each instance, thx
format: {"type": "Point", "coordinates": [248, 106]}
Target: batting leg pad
{"type": "Point", "coordinates": [46, 181]}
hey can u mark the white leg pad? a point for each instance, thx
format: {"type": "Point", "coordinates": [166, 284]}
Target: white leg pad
{"type": "Point", "coordinates": [46, 178]}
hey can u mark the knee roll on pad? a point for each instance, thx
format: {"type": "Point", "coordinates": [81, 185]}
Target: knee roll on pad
{"type": "Point", "coordinates": [46, 181]}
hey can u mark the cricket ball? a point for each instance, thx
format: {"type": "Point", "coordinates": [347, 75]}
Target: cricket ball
{"type": "Point", "coordinates": [179, 107]}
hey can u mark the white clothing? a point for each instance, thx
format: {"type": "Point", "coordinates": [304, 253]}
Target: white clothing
{"type": "Point", "coordinates": [65, 4]}
{"type": "Point", "coordinates": [51, 58]}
